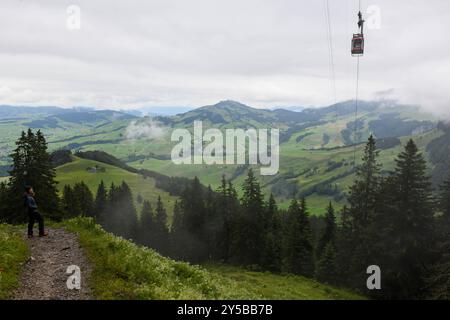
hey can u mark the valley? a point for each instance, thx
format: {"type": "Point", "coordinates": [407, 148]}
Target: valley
{"type": "Point", "coordinates": [316, 145]}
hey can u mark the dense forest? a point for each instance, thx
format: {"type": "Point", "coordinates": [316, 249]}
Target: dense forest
{"type": "Point", "coordinates": [395, 220]}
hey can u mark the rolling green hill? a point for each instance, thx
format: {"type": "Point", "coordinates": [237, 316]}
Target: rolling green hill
{"type": "Point", "coordinates": [83, 170]}
{"type": "Point", "coordinates": [316, 149]}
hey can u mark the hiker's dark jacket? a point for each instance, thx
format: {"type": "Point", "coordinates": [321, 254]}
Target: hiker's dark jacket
{"type": "Point", "coordinates": [31, 204]}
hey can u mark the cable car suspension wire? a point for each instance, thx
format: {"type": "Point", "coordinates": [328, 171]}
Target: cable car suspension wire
{"type": "Point", "coordinates": [330, 48]}
{"type": "Point", "coordinates": [357, 44]}
{"type": "Point", "coordinates": [355, 133]}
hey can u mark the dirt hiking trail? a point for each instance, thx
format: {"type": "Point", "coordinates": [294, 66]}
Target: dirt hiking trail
{"type": "Point", "coordinates": [44, 275]}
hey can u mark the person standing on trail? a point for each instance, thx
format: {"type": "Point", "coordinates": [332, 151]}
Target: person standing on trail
{"type": "Point", "coordinates": [33, 214]}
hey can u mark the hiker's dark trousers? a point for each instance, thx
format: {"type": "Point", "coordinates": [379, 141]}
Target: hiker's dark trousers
{"type": "Point", "coordinates": [32, 218]}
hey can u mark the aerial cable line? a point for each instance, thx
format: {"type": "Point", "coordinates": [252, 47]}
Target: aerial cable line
{"type": "Point", "coordinates": [355, 133]}
{"type": "Point", "coordinates": [330, 48]}
{"type": "Point", "coordinates": [358, 51]}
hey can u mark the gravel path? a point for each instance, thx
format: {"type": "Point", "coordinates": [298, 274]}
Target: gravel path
{"type": "Point", "coordinates": [44, 274]}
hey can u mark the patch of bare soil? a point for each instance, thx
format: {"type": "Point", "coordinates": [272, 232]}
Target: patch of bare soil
{"type": "Point", "coordinates": [44, 275]}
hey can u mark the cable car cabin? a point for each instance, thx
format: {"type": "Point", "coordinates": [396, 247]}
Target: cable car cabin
{"type": "Point", "coordinates": [358, 45]}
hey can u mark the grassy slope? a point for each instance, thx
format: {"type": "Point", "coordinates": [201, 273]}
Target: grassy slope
{"type": "Point", "coordinates": [123, 270]}
{"type": "Point", "coordinates": [13, 253]}
{"type": "Point", "coordinates": [296, 159]}
{"type": "Point", "coordinates": [75, 171]}
{"type": "Point", "coordinates": [283, 287]}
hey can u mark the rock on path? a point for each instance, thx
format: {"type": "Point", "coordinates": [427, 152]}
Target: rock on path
{"type": "Point", "coordinates": [44, 275]}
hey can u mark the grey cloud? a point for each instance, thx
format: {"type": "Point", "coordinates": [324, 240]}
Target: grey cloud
{"type": "Point", "coordinates": [262, 52]}
{"type": "Point", "coordinates": [145, 129]}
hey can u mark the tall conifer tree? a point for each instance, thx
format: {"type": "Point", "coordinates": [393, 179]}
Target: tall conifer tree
{"type": "Point", "coordinates": [32, 166]}
{"type": "Point", "coordinates": [101, 202]}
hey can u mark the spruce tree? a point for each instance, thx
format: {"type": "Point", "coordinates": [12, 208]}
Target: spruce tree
{"type": "Point", "coordinates": [222, 223]}
{"type": "Point", "coordinates": [178, 236]}
{"type": "Point", "coordinates": [213, 224]}
{"type": "Point", "coordinates": [85, 200]}
{"type": "Point", "coordinates": [326, 265]}
{"type": "Point", "coordinates": [298, 257]}
{"type": "Point", "coordinates": [121, 218]}
{"type": "Point", "coordinates": [71, 205]}
{"type": "Point", "coordinates": [194, 222]}
{"type": "Point", "coordinates": [161, 229]}
{"type": "Point", "coordinates": [250, 226]}
{"type": "Point", "coordinates": [409, 228]}
{"type": "Point", "coordinates": [438, 281]}
{"type": "Point", "coordinates": [363, 192]}
{"type": "Point", "coordinates": [444, 200]}
{"type": "Point", "coordinates": [231, 223]}
{"type": "Point", "coordinates": [3, 201]}
{"type": "Point", "coordinates": [128, 211]}
{"type": "Point", "coordinates": [101, 202]}
{"type": "Point", "coordinates": [32, 166]}
{"type": "Point", "coordinates": [344, 247]}
{"type": "Point", "coordinates": [271, 257]}
{"type": "Point", "coordinates": [147, 226]}
{"type": "Point", "coordinates": [363, 200]}
{"type": "Point", "coordinates": [48, 193]}
{"type": "Point", "coordinates": [108, 216]}
{"type": "Point", "coordinates": [194, 209]}
{"type": "Point", "coordinates": [329, 234]}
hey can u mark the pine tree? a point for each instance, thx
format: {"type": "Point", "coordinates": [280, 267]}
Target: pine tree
{"type": "Point", "coordinates": [32, 166]}
{"type": "Point", "coordinates": [3, 200]}
{"type": "Point", "coordinates": [363, 200]}
{"type": "Point", "coordinates": [108, 216]}
{"type": "Point", "coordinates": [271, 257]}
{"type": "Point", "coordinates": [444, 200]}
{"type": "Point", "coordinates": [344, 247]}
{"type": "Point", "coordinates": [147, 226]}
{"type": "Point", "coordinates": [298, 257]}
{"type": "Point", "coordinates": [194, 222]}
{"type": "Point", "coordinates": [213, 224]}
{"type": "Point", "coordinates": [71, 205]}
{"type": "Point", "coordinates": [48, 193]}
{"type": "Point", "coordinates": [363, 192]}
{"type": "Point", "coordinates": [194, 209]}
{"type": "Point", "coordinates": [222, 226]}
{"type": "Point", "coordinates": [329, 234]}
{"type": "Point", "coordinates": [407, 236]}
{"type": "Point", "coordinates": [438, 282]}
{"type": "Point", "coordinates": [101, 202]}
{"type": "Point", "coordinates": [128, 211]}
{"type": "Point", "coordinates": [85, 200]}
{"type": "Point", "coordinates": [326, 265]}
{"type": "Point", "coordinates": [178, 236]}
{"type": "Point", "coordinates": [161, 229]}
{"type": "Point", "coordinates": [78, 200]}
{"type": "Point", "coordinates": [121, 218]}
{"type": "Point", "coordinates": [250, 225]}
{"type": "Point", "coordinates": [231, 222]}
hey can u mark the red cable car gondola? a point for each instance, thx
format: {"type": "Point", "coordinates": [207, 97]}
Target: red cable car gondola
{"type": "Point", "coordinates": [358, 45]}
{"type": "Point", "coordinates": [358, 38]}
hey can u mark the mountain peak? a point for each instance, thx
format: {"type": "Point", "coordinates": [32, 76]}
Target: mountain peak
{"type": "Point", "coordinates": [230, 103]}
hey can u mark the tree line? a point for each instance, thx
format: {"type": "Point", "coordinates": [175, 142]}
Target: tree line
{"type": "Point", "coordinates": [394, 220]}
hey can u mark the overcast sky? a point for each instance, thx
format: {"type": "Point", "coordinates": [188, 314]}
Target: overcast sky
{"type": "Point", "coordinates": [264, 53]}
